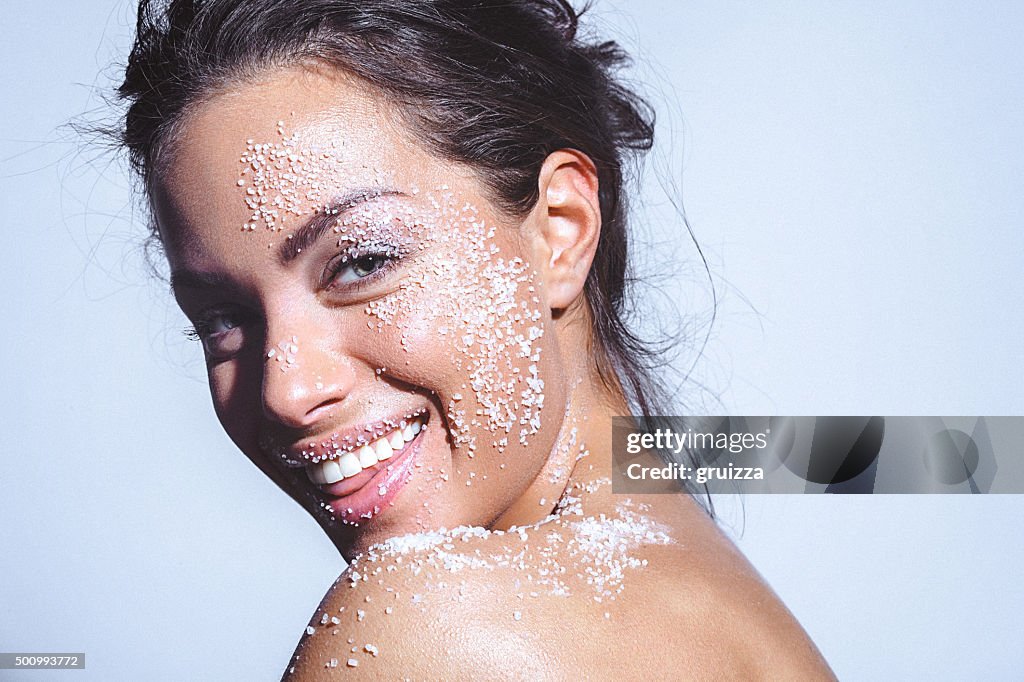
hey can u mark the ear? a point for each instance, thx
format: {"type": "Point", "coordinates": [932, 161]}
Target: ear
{"type": "Point", "coordinates": [568, 222]}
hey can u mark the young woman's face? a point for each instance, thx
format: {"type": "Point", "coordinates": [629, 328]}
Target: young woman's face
{"type": "Point", "coordinates": [376, 332]}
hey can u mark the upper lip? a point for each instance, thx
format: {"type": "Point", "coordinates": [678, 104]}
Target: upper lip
{"type": "Point", "coordinates": [330, 444]}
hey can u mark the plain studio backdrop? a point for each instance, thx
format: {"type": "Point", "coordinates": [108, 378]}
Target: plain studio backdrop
{"type": "Point", "coordinates": [854, 174]}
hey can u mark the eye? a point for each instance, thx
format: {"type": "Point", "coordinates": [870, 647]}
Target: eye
{"type": "Point", "coordinates": [367, 265]}
{"type": "Point", "coordinates": [222, 333]}
{"type": "Point", "coordinates": [222, 323]}
{"type": "Point", "coordinates": [350, 270]}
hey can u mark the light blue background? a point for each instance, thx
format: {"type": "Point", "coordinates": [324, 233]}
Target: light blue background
{"type": "Point", "coordinates": [854, 172]}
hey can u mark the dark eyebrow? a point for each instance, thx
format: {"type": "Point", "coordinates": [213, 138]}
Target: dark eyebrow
{"type": "Point", "coordinates": [326, 218]}
{"type": "Point", "coordinates": [189, 279]}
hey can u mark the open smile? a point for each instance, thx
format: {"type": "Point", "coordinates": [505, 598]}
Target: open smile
{"type": "Point", "coordinates": [357, 484]}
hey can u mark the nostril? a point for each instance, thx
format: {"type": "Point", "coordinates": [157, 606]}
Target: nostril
{"type": "Point", "coordinates": [298, 395]}
{"type": "Point", "coordinates": [323, 409]}
{"type": "Point", "coordinates": [296, 405]}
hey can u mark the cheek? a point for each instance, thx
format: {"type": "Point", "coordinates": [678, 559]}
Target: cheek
{"type": "Point", "coordinates": [477, 324]}
{"type": "Point", "coordinates": [236, 400]}
{"type": "Point", "coordinates": [497, 346]}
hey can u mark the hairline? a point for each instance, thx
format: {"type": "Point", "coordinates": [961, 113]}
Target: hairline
{"type": "Point", "coordinates": [217, 85]}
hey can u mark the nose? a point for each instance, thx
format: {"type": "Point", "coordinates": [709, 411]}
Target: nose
{"type": "Point", "coordinates": [303, 382]}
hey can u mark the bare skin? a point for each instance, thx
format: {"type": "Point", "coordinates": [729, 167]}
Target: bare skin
{"type": "Point", "coordinates": [429, 328]}
{"type": "Point", "coordinates": [695, 609]}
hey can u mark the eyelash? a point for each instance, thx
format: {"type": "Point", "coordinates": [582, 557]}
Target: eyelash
{"type": "Point", "coordinates": [202, 328]}
{"type": "Point", "coordinates": [389, 256]}
{"type": "Point", "coordinates": [202, 331]}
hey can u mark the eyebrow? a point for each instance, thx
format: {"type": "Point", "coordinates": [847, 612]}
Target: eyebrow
{"type": "Point", "coordinates": [326, 218]}
{"type": "Point", "coordinates": [189, 279]}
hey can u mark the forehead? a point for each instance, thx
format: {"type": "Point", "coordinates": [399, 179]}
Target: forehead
{"type": "Point", "coordinates": [324, 107]}
{"type": "Point", "coordinates": [329, 134]}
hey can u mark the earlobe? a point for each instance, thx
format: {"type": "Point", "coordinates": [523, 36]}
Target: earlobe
{"type": "Point", "coordinates": [569, 215]}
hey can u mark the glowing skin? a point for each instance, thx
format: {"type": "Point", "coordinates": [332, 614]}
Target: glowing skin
{"type": "Point", "coordinates": [417, 300]}
{"type": "Point", "coordinates": [403, 357]}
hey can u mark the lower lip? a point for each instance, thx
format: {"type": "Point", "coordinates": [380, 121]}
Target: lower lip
{"type": "Point", "coordinates": [366, 501]}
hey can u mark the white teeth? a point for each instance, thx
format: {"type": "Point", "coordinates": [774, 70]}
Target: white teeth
{"type": "Point", "coordinates": [315, 475]}
{"type": "Point", "coordinates": [383, 449]}
{"type": "Point", "coordinates": [324, 473]}
{"type": "Point", "coordinates": [351, 463]}
{"type": "Point", "coordinates": [331, 472]}
{"type": "Point", "coordinates": [367, 457]}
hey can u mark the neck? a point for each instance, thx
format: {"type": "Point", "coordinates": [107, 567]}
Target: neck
{"type": "Point", "coordinates": [581, 453]}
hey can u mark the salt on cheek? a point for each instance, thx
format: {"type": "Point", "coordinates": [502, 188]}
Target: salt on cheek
{"type": "Point", "coordinates": [485, 309]}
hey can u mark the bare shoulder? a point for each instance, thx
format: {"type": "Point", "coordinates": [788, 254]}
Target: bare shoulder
{"type": "Point", "coordinates": [600, 592]}
{"type": "Point", "coordinates": [720, 612]}
{"type": "Point", "coordinates": [444, 605]}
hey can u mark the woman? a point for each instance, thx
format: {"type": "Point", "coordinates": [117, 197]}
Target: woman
{"type": "Point", "coordinates": [399, 229]}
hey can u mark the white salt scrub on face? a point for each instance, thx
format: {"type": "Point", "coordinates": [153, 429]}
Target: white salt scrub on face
{"type": "Point", "coordinates": [282, 178]}
{"type": "Point", "coordinates": [484, 307]}
{"type": "Point", "coordinates": [485, 304]}
{"type": "Point", "coordinates": [459, 291]}
{"type": "Point", "coordinates": [285, 354]}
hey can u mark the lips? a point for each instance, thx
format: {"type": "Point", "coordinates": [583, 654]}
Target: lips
{"type": "Point", "coordinates": [332, 445]}
{"type": "Point", "coordinates": [356, 481]}
{"type": "Point", "coordinates": [351, 464]}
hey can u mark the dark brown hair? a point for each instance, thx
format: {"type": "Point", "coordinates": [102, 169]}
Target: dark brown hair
{"type": "Point", "coordinates": [494, 84]}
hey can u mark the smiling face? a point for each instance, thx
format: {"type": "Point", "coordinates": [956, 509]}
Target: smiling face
{"type": "Point", "coordinates": [379, 336]}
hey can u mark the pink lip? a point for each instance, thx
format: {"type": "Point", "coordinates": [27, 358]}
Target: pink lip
{"type": "Point", "coordinates": [359, 498]}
